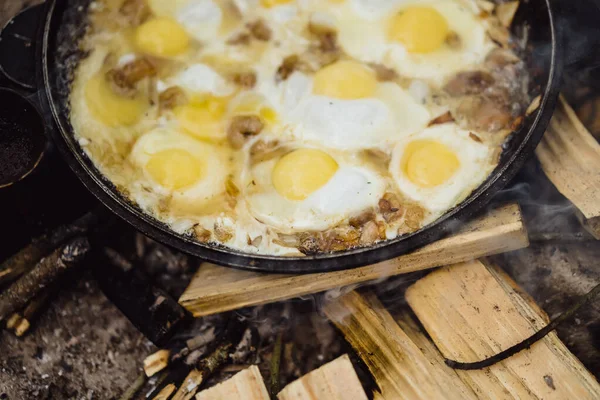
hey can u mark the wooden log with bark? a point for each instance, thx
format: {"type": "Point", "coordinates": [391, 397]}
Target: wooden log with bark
{"type": "Point", "coordinates": [336, 380]}
{"type": "Point", "coordinates": [570, 157]}
{"type": "Point", "coordinates": [215, 289]}
{"type": "Point", "coordinates": [472, 311]}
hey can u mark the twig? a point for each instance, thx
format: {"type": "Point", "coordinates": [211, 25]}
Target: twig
{"type": "Point", "coordinates": [527, 343]}
{"type": "Point", "coordinates": [275, 365]}
{"type": "Point", "coordinates": [45, 272]}
{"type": "Point", "coordinates": [23, 261]}
{"type": "Point", "coordinates": [34, 308]}
{"type": "Point", "coordinates": [134, 388]}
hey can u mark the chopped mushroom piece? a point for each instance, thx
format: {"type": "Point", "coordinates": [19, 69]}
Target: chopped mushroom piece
{"type": "Point", "coordinates": [384, 74]}
{"type": "Point", "coordinates": [326, 36]}
{"type": "Point", "coordinates": [454, 41]}
{"type": "Point", "coordinates": [485, 113]}
{"type": "Point", "coordinates": [260, 30]}
{"type": "Point", "coordinates": [390, 207]}
{"type": "Point", "coordinates": [241, 39]}
{"type": "Point", "coordinates": [243, 127]}
{"type": "Point", "coordinates": [442, 119]}
{"type": "Point", "coordinates": [135, 11]}
{"type": "Point", "coordinates": [506, 12]}
{"type": "Point", "coordinates": [171, 98]}
{"type": "Point", "coordinates": [287, 67]}
{"type": "Point", "coordinates": [245, 80]}
{"type": "Point", "coordinates": [123, 79]}
{"type": "Point", "coordinates": [470, 82]}
{"type": "Point", "coordinates": [500, 58]}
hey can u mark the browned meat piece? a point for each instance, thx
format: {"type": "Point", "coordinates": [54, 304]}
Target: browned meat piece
{"type": "Point", "coordinates": [135, 11]}
{"type": "Point", "coordinates": [247, 79]}
{"type": "Point", "coordinates": [123, 79]}
{"type": "Point", "coordinates": [171, 98]}
{"type": "Point", "coordinates": [243, 127]}
{"type": "Point", "coordinates": [470, 82]}
{"type": "Point", "coordinates": [442, 119]}
{"type": "Point", "coordinates": [260, 30]}
{"type": "Point", "coordinates": [287, 67]}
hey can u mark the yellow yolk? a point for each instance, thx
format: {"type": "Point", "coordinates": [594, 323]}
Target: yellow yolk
{"type": "Point", "coordinates": [428, 163]}
{"type": "Point", "coordinates": [300, 173]}
{"type": "Point", "coordinates": [274, 3]}
{"type": "Point", "coordinates": [345, 80]}
{"type": "Point", "coordinates": [110, 108]}
{"type": "Point", "coordinates": [203, 118]}
{"type": "Point", "coordinates": [254, 105]}
{"type": "Point", "coordinates": [174, 168]}
{"type": "Point", "coordinates": [419, 29]}
{"type": "Point", "coordinates": [161, 37]}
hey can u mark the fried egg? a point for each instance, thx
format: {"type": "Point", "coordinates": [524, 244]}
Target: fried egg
{"type": "Point", "coordinates": [430, 39]}
{"type": "Point", "coordinates": [309, 189]}
{"type": "Point", "coordinates": [440, 166]}
{"type": "Point", "coordinates": [343, 106]}
{"type": "Point", "coordinates": [189, 172]}
{"type": "Point", "coordinates": [203, 20]}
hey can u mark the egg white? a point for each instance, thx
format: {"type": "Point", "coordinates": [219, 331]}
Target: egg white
{"type": "Point", "coordinates": [362, 33]}
{"type": "Point", "coordinates": [475, 166]}
{"type": "Point", "coordinates": [379, 121]}
{"type": "Point", "coordinates": [351, 190]}
{"type": "Point", "coordinates": [200, 79]}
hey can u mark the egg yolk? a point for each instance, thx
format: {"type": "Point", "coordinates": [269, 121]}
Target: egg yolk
{"type": "Point", "coordinates": [274, 3]}
{"type": "Point", "coordinates": [419, 29]}
{"type": "Point", "coordinates": [203, 118]}
{"type": "Point", "coordinates": [253, 104]}
{"type": "Point", "coordinates": [161, 37]}
{"type": "Point", "coordinates": [345, 80]}
{"type": "Point", "coordinates": [110, 108]}
{"type": "Point", "coordinates": [427, 163]}
{"type": "Point", "coordinates": [300, 173]}
{"type": "Point", "coordinates": [174, 168]}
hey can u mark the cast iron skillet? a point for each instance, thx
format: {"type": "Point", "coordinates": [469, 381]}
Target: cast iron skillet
{"type": "Point", "coordinates": [65, 23]}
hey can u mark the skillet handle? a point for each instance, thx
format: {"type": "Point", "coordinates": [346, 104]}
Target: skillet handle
{"type": "Point", "coordinates": [23, 141]}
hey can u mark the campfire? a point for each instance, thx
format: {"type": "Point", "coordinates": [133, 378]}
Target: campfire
{"type": "Point", "coordinates": [403, 328]}
{"type": "Point", "coordinates": [506, 306]}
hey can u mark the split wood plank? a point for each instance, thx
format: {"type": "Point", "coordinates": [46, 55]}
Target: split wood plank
{"type": "Point", "coordinates": [399, 364]}
{"type": "Point", "coordinates": [216, 289]}
{"type": "Point", "coordinates": [336, 380]}
{"type": "Point", "coordinates": [471, 311]}
{"type": "Point", "coordinates": [570, 157]}
{"type": "Point", "coordinates": [245, 385]}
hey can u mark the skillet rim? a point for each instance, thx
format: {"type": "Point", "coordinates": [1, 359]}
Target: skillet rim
{"type": "Point", "coordinates": [101, 188]}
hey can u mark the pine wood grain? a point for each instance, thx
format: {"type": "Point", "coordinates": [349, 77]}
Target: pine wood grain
{"type": "Point", "coordinates": [471, 311]}
{"type": "Point", "coordinates": [245, 385]}
{"type": "Point", "coordinates": [336, 380]}
{"type": "Point", "coordinates": [570, 157]}
{"type": "Point", "coordinates": [400, 363]}
{"type": "Point", "coordinates": [215, 289]}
